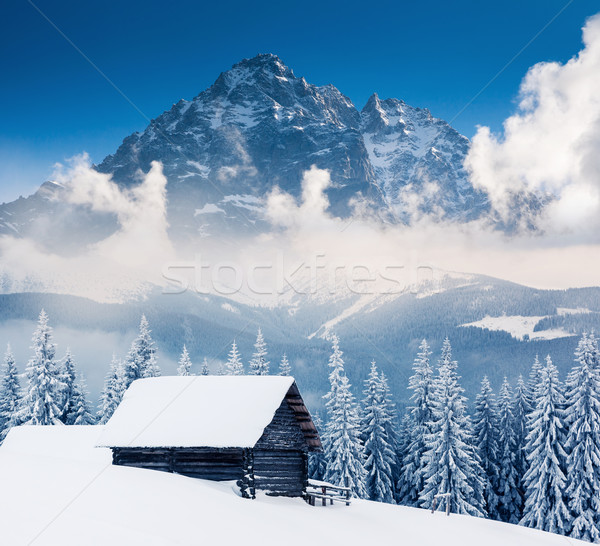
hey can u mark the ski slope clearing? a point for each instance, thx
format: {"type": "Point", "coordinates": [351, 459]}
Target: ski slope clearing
{"type": "Point", "coordinates": [56, 488]}
{"type": "Point", "coordinates": [518, 327]}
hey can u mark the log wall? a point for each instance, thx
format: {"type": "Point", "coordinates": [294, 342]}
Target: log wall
{"type": "Point", "coordinates": [205, 463]}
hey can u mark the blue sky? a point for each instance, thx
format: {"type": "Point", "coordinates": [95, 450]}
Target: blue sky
{"type": "Point", "coordinates": [435, 54]}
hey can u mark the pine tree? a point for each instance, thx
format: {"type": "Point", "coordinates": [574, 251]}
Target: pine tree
{"type": "Point", "coordinates": [10, 395]}
{"type": "Point", "coordinates": [68, 376]}
{"type": "Point", "coordinates": [205, 370]}
{"type": "Point", "coordinates": [41, 405]}
{"type": "Point", "coordinates": [235, 366]}
{"type": "Point", "coordinates": [402, 444]}
{"type": "Point", "coordinates": [452, 464]}
{"type": "Point", "coordinates": [259, 365]}
{"type": "Point", "coordinates": [420, 414]}
{"type": "Point", "coordinates": [141, 359]}
{"type": "Point", "coordinates": [80, 413]}
{"type": "Point", "coordinates": [317, 465]}
{"type": "Point", "coordinates": [185, 364]}
{"type": "Point", "coordinates": [379, 456]}
{"type": "Point", "coordinates": [112, 393]}
{"type": "Point", "coordinates": [509, 508]}
{"type": "Point", "coordinates": [545, 479]}
{"type": "Point", "coordinates": [486, 432]}
{"type": "Point", "coordinates": [533, 383]}
{"type": "Point", "coordinates": [582, 417]}
{"type": "Point", "coordinates": [390, 427]}
{"type": "Point", "coordinates": [520, 409]}
{"type": "Point", "coordinates": [284, 366]}
{"type": "Point", "coordinates": [222, 368]}
{"type": "Point", "coordinates": [344, 451]}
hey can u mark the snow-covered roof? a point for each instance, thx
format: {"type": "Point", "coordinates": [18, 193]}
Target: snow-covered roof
{"type": "Point", "coordinates": [197, 411]}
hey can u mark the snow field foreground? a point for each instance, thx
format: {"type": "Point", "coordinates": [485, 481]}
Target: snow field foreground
{"type": "Point", "coordinates": [56, 488]}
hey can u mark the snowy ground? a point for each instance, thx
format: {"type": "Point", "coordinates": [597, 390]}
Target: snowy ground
{"type": "Point", "coordinates": [519, 327]}
{"type": "Point", "coordinates": [55, 488]}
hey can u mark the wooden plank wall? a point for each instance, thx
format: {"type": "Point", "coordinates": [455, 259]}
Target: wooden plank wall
{"type": "Point", "coordinates": [280, 456]}
{"type": "Point", "coordinates": [204, 463]}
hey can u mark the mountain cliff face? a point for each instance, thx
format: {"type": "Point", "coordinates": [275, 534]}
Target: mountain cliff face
{"type": "Point", "coordinates": [259, 126]}
{"type": "Point", "coordinates": [418, 162]}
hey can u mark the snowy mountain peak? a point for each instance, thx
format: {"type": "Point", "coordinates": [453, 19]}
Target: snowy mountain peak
{"type": "Point", "coordinates": [259, 126]}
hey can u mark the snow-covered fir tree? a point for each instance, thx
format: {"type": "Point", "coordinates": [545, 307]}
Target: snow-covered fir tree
{"type": "Point", "coordinates": [533, 383]}
{"type": "Point", "coordinates": [420, 414]}
{"type": "Point", "coordinates": [452, 463]}
{"type": "Point", "coordinates": [112, 393]}
{"type": "Point", "coordinates": [486, 432]}
{"type": "Point", "coordinates": [259, 365]}
{"type": "Point", "coordinates": [141, 359]}
{"type": "Point", "coordinates": [582, 417]}
{"type": "Point", "coordinates": [222, 368]}
{"type": "Point", "coordinates": [284, 366]}
{"type": "Point", "coordinates": [43, 399]}
{"type": "Point", "coordinates": [68, 376]}
{"type": "Point", "coordinates": [402, 443]}
{"type": "Point", "coordinates": [81, 413]}
{"type": "Point", "coordinates": [10, 394]}
{"type": "Point", "coordinates": [379, 455]}
{"type": "Point", "coordinates": [520, 418]}
{"type": "Point", "coordinates": [185, 363]}
{"type": "Point", "coordinates": [510, 500]}
{"type": "Point", "coordinates": [390, 427]}
{"type": "Point", "coordinates": [316, 460]}
{"type": "Point", "coordinates": [204, 370]}
{"type": "Point", "coordinates": [343, 449]}
{"type": "Point", "coordinates": [545, 480]}
{"type": "Point", "coordinates": [235, 366]}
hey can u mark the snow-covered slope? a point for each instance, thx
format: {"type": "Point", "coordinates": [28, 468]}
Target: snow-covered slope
{"type": "Point", "coordinates": [58, 489]}
{"type": "Point", "coordinates": [519, 327]}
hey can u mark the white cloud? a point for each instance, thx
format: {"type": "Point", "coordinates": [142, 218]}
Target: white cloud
{"type": "Point", "coordinates": [551, 145]}
{"type": "Point", "coordinates": [118, 265]}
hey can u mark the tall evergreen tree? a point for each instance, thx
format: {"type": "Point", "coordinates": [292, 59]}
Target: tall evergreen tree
{"type": "Point", "coordinates": [185, 364]}
{"type": "Point", "coordinates": [81, 413]}
{"type": "Point", "coordinates": [336, 364]}
{"type": "Point", "coordinates": [41, 405]}
{"type": "Point", "coordinates": [545, 479]}
{"type": "Point", "coordinates": [259, 365]}
{"type": "Point", "coordinates": [235, 366]}
{"type": "Point", "coordinates": [344, 451]}
{"type": "Point", "coordinates": [10, 395]}
{"type": "Point", "coordinates": [112, 393]}
{"type": "Point", "coordinates": [284, 366]}
{"type": "Point", "coordinates": [205, 370]}
{"type": "Point", "coordinates": [583, 441]}
{"type": "Point", "coordinates": [68, 376]}
{"type": "Point", "coordinates": [486, 432]}
{"type": "Point", "coordinates": [141, 359]}
{"type": "Point", "coordinates": [402, 443]}
{"type": "Point", "coordinates": [520, 415]}
{"type": "Point", "coordinates": [379, 456]}
{"type": "Point", "coordinates": [390, 427]}
{"type": "Point", "coordinates": [533, 383]}
{"type": "Point", "coordinates": [317, 465]}
{"type": "Point", "coordinates": [412, 478]}
{"type": "Point", "coordinates": [452, 464]}
{"type": "Point", "coordinates": [509, 508]}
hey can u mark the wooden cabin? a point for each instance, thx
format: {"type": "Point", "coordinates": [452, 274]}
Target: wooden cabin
{"type": "Point", "coordinates": [255, 430]}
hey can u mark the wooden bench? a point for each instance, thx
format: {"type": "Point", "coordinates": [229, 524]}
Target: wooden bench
{"type": "Point", "coordinates": [326, 492]}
